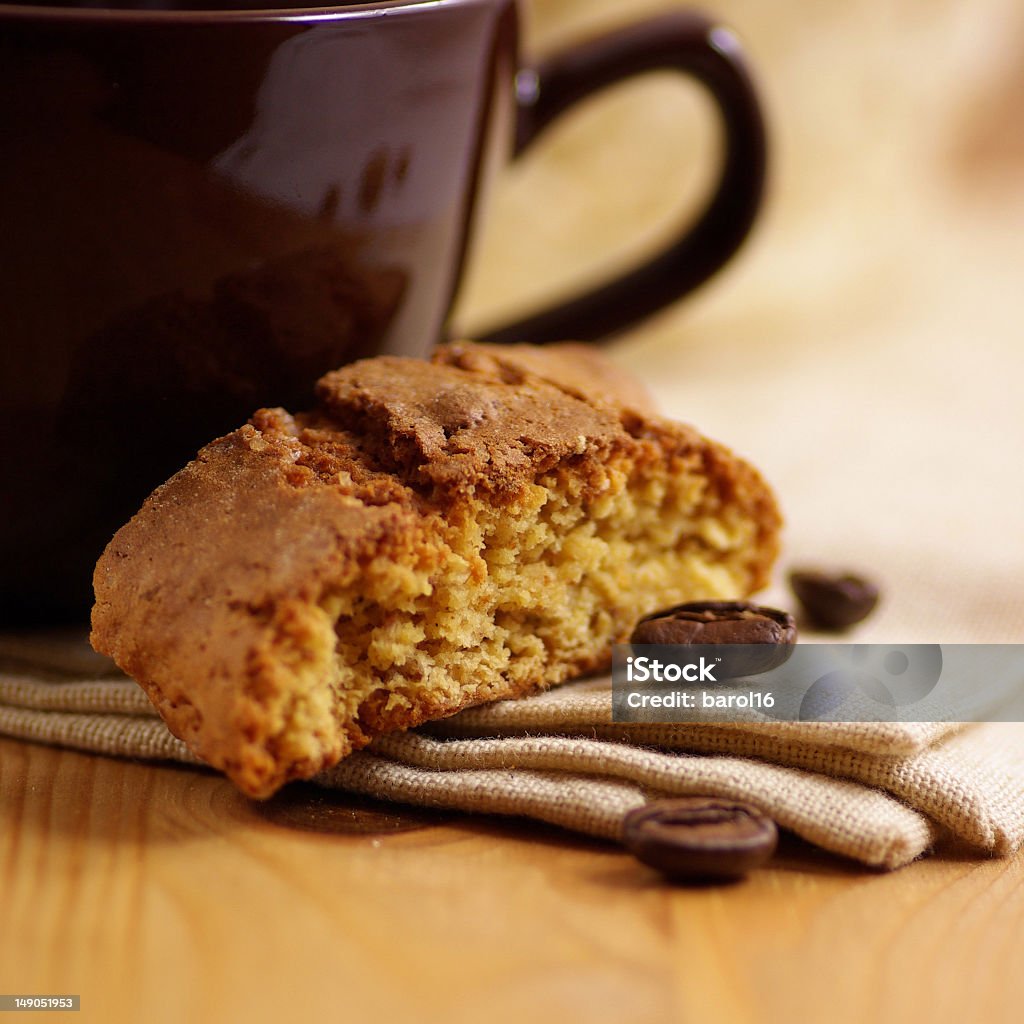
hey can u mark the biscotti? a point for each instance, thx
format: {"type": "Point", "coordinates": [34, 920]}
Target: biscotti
{"type": "Point", "coordinates": [430, 536]}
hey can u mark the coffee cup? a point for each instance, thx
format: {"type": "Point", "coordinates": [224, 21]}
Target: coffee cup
{"type": "Point", "coordinates": [204, 209]}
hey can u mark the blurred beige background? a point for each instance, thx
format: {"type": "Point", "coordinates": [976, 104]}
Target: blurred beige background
{"type": "Point", "coordinates": [865, 349]}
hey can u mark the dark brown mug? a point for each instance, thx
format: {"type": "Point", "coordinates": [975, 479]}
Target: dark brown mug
{"type": "Point", "coordinates": [201, 211]}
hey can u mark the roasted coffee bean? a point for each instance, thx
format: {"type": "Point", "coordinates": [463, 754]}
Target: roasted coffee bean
{"type": "Point", "coordinates": [700, 838]}
{"type": "Point", "coordinates": [833, 601]}
{"type": "Point", "coordinates": [723, 622]}
{"type": "Point", "coordinates": [716, 622]}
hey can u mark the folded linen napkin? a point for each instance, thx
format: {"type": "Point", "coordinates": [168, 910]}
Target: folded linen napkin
{"type": "Point", "coordinates": [880, 793]}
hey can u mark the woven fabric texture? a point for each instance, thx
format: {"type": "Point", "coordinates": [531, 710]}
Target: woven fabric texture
{"type": "Point", "coordinates": [879, 793]}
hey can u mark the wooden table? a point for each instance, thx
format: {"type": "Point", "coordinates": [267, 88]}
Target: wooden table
{"type": "Point", "coordinates": [160, 894]}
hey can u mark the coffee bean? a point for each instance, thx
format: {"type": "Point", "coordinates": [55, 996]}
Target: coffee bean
{"type": "Point", "coordinates": [723, 622]}
{"type": "Point", "coordinates": [700, 837]}
{"type": "Point", "coordinates": [833, 601]}
{"type": "Point", "coordinates": [716, 622]}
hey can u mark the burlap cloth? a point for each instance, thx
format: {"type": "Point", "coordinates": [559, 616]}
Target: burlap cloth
{"type": "Point", "coordinates": [880, 793]}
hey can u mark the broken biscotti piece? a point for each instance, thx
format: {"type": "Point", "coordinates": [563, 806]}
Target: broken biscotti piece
{"type": "Point", "coordinates": [431, 536]}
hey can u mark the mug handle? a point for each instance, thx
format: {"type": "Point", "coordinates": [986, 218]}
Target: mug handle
{"type": "Point", "coordinates": [684, 41]}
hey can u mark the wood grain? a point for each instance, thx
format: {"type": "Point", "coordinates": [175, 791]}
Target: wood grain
{"type": "Point", "coordinates": [159, 893]}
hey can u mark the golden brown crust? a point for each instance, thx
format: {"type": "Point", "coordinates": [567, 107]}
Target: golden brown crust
{"type": "Point", "coordinates": [577, 369]}
{"type": "Point", "coordinates": [448, 430]}
{"type": "Point", "coordinates": [226, 594]}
